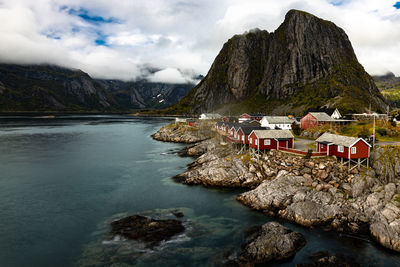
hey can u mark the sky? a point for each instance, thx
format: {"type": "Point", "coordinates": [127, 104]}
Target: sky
{"type": "Point", "coordinates": [176, 39]}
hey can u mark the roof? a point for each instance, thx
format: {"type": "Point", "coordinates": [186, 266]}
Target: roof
{"type": "Point", "coordinates": [328, 111]}
{"type": "Point", "coordinates": [253, 114]}
{"type": "Point", "coordinates": [321, 116]}
{"type": "Point", "coordinates": [279, 119]}
{"type": "Point", "coordinates": [263, 134]}
{"type": "Point", "coordinates": [340, 140]}
{"type": "Point", "coordinates": [248, 129]}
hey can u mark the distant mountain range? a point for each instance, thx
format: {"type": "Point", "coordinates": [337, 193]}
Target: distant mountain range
{"type": "Point", "coordinates": [389, 85]}
{"type": "Point", "coordinates": [307, 62]}
{"type": "Point", "coordinates": [51, 88]}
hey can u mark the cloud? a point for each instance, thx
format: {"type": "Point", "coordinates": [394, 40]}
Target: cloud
{"type": "Point", "coordinates": [170, 75]}
{"type": "Point", "coordinates": [118, 39]}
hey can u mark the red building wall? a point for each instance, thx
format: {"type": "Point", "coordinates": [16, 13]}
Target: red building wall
{"type": "Point", "coordinates": [362, 150]}
{"type": "Point", "coordinates": [308, 121]}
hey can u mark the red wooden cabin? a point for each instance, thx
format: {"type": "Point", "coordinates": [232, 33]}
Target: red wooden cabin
{"type": "Point", "coordinates": [243, 133]}
{"type": "Point", "coordinates": [271, 139]}
{"type": "Point", "coordinates": [313, 119]}
{"type": "Point", "coordinates": [343, 146]}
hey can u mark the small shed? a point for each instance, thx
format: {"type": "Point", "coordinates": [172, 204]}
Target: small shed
{"type": "Point", "coordinates": [343, 146]}
{"type": "Point", "coordinates": [270, 139]}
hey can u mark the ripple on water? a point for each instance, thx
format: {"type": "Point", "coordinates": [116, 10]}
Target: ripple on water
{"type": "Point", "coordinates": [198, 244]}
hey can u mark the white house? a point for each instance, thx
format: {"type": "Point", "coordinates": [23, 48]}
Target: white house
{"type": "Point", "coordinates": [210, 116]}
{"type": "Point", "coordinates": [277, 122]}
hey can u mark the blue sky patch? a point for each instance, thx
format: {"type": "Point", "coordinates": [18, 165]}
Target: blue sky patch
{"type": "Point", "coordinates": [101, 39]}
{"type": "Point", "coordinates": [88, 16]}
{"type": "Point", "coordinates": [337, 2]}
{"type": "Point", "coordinates": [397, 5]}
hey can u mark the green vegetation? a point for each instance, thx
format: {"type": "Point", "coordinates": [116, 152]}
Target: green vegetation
{"type": "Point", "coordinates": [385, 131]}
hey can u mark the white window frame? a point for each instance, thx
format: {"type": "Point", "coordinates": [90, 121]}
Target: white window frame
{"type": "Point", "coordinates": [256, 143]}
{"type": "Point", "coordinates": [242, 137]}
{"type": "Point", "coordinates": [267, 142]}
{"type": "Point", "coordinates": [353, 150]}
{"type": "Point", "coordinates": [251, 140]}
{"type": "Point", "coordinates": [340, 149]}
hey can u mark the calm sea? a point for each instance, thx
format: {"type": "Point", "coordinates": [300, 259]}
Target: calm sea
{"type": "Point", "coordinates": [63, 180]}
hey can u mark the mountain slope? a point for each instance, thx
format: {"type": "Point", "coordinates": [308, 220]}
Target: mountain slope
{"type": "Point", "coordinates": [31, 88]}
{"type": "Point", "coordinates": [389, 85]}
{"type": "Point", "coordinates": [306, 62]}
{"type": "Point", "coordinates": [143, 94]}
{"type": "Point", "coordinates": [44, 88]}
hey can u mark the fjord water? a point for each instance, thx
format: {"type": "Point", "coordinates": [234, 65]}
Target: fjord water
{"type": "Point", "coordinates": [63, 180]}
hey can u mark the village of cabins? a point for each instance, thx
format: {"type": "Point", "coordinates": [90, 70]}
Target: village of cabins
{"type": "Point", "coordinates": [259, 133]}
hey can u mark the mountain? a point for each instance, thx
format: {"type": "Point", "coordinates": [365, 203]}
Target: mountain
{"type": "Point", "coordinates": [306, 62]}
{"type": "Point", "coordinates": [144, 94]}
{"type": "Point", "coordinates": [389, 85]}
{"type": "Point", "coordinates": [31, 88]}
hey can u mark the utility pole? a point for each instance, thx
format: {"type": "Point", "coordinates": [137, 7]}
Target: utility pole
{"type": "Point", "coordinates": [373, 138]}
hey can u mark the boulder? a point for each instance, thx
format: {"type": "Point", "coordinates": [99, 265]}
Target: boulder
{"type": "Point", "coordinates": [147, 230]}
{"type": "Point", "coordinates": [271, 242]}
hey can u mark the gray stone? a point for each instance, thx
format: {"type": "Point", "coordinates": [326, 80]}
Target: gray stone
{"type": "Point", "coordinates": [272, 242]}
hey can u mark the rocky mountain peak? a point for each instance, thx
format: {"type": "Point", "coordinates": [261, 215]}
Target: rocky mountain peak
{"type": "Point", "coordinates": [305, 62]}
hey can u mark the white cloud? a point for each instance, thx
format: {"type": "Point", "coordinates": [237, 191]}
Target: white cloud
{"type": "Point", "coordinates": [176, 35]}
{"type": "Point", "coordinates": [169, 75]}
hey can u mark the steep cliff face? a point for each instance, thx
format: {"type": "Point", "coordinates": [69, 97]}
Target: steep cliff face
{"type": "Point", "coordinates": [306, 62]}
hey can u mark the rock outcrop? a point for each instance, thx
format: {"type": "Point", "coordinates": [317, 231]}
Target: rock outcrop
{"type": "Point", "coordinates": [271, 242]}
{"type": "Point", "coordinates": [147, 230]}
{"type": "Point", "coordinates": [182, 133]}
{"type": "Point", "coordinates": [306, 62]}
{"type": "Point", "coordinates": [385, 161]}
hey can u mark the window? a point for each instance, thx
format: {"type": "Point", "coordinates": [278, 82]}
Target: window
{"type": "Point", "coordinates": [322, 146]}
{"type": "Point", "coordinates": [340, 148]}
{"type": "Point", "coordinates": [251, 140]}
{"type": "Point", "coordinates": [256, 141]}
{"type": "Point", "coordinates": [353, 150]}
{"type": "Point", "coordinates": [242, 137]}
{"type": "Point", "coordinates": [267, 142]}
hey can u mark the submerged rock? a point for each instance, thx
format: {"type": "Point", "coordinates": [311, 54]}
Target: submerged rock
{"type": "Point", "coordinates": [324, 259]}
{"type": "Point", "coordinates": [271, 242]}
{"type": "Point", "coordinates": [147, 230]}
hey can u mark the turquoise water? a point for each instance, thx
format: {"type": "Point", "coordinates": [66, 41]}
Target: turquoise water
{"type": "Point", "coordinates": [63, 180]}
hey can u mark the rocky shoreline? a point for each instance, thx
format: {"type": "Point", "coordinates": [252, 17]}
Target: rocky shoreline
{"type": "Point", "coordinates": [182, 133]}
{"type": "Point", "coordinates": [308, 192]}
